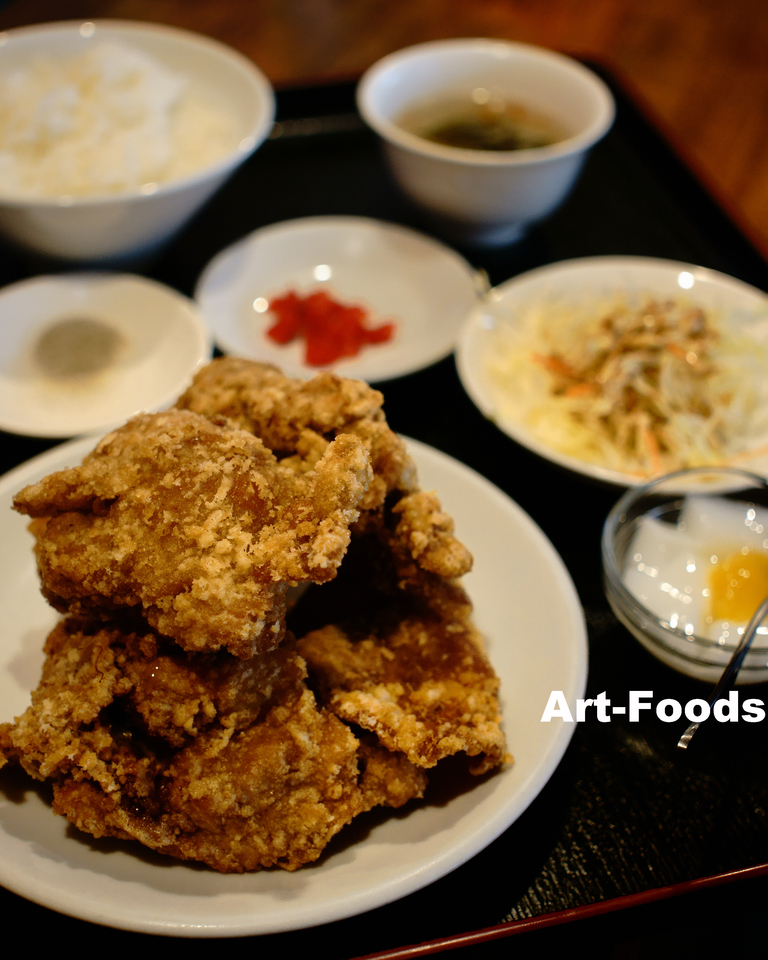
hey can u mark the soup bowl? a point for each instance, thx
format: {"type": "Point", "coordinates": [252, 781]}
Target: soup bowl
{"type": "Point", "coordinates": [484, 196]}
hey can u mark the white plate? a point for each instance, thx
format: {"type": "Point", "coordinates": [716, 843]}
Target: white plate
{"type": "Point", "coordinates": [164, 342]}
{"type": "Point", "coordinates": [392, 271]}
{"type": "Point", "coordinates": [525, 604]}
{"type": "Point", "coordinates": [574, 281]}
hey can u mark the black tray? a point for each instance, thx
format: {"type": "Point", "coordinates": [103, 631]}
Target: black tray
{"type": "Point", "coordinates": [626, 818]}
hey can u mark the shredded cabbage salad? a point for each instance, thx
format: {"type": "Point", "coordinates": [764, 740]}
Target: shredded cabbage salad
{"type": "Point", "coordinates": [637, 385]}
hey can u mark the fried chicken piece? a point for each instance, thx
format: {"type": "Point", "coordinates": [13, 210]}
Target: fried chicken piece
{"type": "Point", "coordinates": [388, 779]}
{"type": "Point", "coordinates": [195, 524]}
{"type": "Point", "coordinates": [391, 648]}
{"type": "Point", "coordinates": [296, 418]}
{"type": "Point", "coordinates": [423, 685]}
{"type": "Point", "coordinates": [424, 533]}
{"type": "Point", "coordinates": [80, 678]}
{"type": "Point", "coordinates": [267, 779]}
{"type": "Point", "coordinates": [273, 795]}
{"type": "Point", "coordinates": [155, 691]}
{"type": "Point", "coordinates": [176, 696]}
{"type": "Point", "coordinates": [277, 793]}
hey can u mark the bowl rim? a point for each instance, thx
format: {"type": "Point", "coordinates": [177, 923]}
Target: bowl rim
{"type": "Point", "coordinates": [532, 156]}
{"type": "Point", "coordinates": [246, 146]}
{"type": "Point", "coordinates": [628, 603]}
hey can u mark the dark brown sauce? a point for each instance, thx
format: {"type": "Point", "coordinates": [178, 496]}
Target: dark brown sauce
{"type": "Point", "coordinates": [496, 125]}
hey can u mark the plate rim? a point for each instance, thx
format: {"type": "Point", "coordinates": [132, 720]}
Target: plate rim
{"type": "Point", "coordinates": [416, 876]}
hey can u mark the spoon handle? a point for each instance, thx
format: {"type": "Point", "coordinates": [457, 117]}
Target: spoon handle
{"type": "Point", "coordinates": [732, 668]}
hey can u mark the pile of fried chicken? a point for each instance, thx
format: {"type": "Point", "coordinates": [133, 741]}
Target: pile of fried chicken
{"type": "Point", "coordinates": [188, 699]}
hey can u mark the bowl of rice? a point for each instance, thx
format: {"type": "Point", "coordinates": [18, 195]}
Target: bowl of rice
{"type": "Point", "coordinates": [113, 134]}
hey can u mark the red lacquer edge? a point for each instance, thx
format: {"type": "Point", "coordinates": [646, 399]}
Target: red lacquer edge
{"type": "Point", "coordinates": [531, 924]}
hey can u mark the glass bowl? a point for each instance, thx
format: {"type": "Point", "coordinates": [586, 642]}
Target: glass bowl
{"type": "Point", "coordinates": [685, 561]}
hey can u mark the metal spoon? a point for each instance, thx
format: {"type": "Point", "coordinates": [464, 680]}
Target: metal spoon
{"type": "Point", "coordinates": [733, 667]}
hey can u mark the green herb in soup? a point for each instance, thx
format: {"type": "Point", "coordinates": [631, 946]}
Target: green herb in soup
{"type": "Point", "coordinates": [492, 125]}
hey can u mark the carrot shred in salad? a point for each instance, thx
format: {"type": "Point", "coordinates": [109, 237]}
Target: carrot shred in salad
{"type": "Point", "coordinates": [643, 388]}
{"type": "Point", "coordinates": [331, 330]}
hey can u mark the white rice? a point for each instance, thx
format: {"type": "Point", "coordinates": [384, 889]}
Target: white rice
{"type": "Point", "coordinates": [108, 121]}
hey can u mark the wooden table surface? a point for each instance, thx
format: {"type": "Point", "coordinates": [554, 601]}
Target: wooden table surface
{"type": "Point", "coordinates": [700, 66]}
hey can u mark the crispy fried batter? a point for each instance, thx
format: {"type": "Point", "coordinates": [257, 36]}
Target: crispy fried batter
{"type": "Point", "coordinates": [241, 770]}
{"type": "Point", "coordinates": [80, 678]}
{"type": "Point", "coordinates": [422, 684]}
{"type": "Point", "coordinates": [273, 794]}
{"type": "Point", "coordinates": [389, 779]}
{"type": "Point", "coordinates": [161, 692]}
{"type": "Point", "coordinates": [176, 696]}
{"type": "Point", "coordinates": [197, 525]}
{"type": "Point", "coordinates": [425, 533]}
{"type": "Point", "coordinates": [391, 648]}
{"type": "Point", "coordinates": [296, 418]}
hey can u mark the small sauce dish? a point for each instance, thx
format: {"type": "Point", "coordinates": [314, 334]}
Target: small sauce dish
{"type": "Point", "coordinates": [82, 352]}
{"type": "Point", "coordinates": [395, 274]}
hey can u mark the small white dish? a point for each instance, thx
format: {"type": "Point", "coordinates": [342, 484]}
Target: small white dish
{"type": "Point", "coordinates": [513, 308]}
{"type": "Point", "coordinates": [159, 342]}
{"type": "Point", "coordinates": [392, 271]}
{"type": "Point", "coordinates": [526, 606]}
